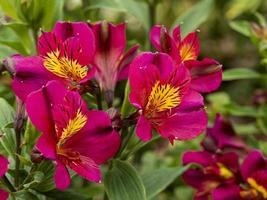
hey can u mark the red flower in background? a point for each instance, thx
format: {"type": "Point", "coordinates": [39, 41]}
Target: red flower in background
{"type": "Point", "coordinates": [3, 169]}
{"type": "Point", "coordinates": [206, 74]}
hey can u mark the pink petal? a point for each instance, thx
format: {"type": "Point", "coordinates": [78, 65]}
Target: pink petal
{"type": "Point", "coordinates": [176, 34]}
{"type": "Point", "coordinates": [227, 192]}
{"type": "Point", "coordinates": [191, 40]}
{"type": "Point", "coordinates": [3, 165]}
{"type": "Point", "coordinates": [187, 121]}
{"type": "Point", "coordinates": [87, 169]}
{"type": "Point", "coordinates": [200, 157]}
{"type": "Point", "coordinates": [48, 42]}
{"type": "Point", "coordinates": [252, 163]}
{"type": "Point", "coordinates": [46, 144]}
{"type": "Point", "coordinates": [80, 30]}
{"type": "Point", "coordinates": [143, 129]}
{"type": "Point", "coordinates": [61, 176]}
{"type": "Point", "coordinates": [126, 61]}
{"type": "Point", "coordinates": [39, 103]}
{"type": "Point", "coordinates": [3, 195]}
{"type": "Point", "coordinates": [30, 75]}
{"type": "Point", "coordinates": [97, 140]}
{"type": "Point", "coordinates": [206, 74]}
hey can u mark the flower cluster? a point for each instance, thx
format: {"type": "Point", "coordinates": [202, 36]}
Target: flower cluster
{"type": "Point", "coordinates": [74, 58]}
{"type": "Point", "coordinates": [219, 175]}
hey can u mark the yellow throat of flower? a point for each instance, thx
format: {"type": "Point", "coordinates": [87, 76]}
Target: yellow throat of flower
{"type": "Point", "coordinates": [224, 171]}
{"type": "Point", "coordinates": [187, 53]}
{"type": "Point", "coordinates": [74, 125]}
{"type": "Point", "coordinates": [64, 67]}
{"type": "Point", "coordinates": [162, 97]}
{"type": "Point", "coordinates": [259, 188]}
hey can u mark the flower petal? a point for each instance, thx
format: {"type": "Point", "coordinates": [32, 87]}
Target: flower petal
{"type": "Point", "coordinates": [39, 103]}
{"type": "Point", "coordinates": [227, 192]}
{"type": "Point", "coordinates": [126, 61]}
{"type": "Point", "coordinates": [97, 140]}
{"type": "Point", "coordinates": [30, 75]}
{"type": "Point", "coordinates": [143, 129]}
{"type": "Point", "coordinates": [188, 120]}
{"type": "Point", "coordinates": [3, 165]}
{"type": "Point", "coordinates": [87, 169]}
{"type": "Point", "coordinates": [47, 146]}
{"type": "Point", "coordinates": [252, 163]}
{"type": "Point", "coordinates": [82, 31]}
{"type": "Point", "coordinates": [3, 195]}
{"type": "Point", "coordinates": [200, 157]}
{"type": "Point", "coordinates": [206, 74]}
{"type": "Point", "coordinates": [61, 176]}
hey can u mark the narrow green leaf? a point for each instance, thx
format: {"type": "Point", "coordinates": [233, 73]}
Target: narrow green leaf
{"type": "Point", "coordinates": [195, 16]}
{"type": "Point", "coordinates": [126, 108]}
{"type": "Point", "coordinates": [122, 182]}
{"type": "Point", "coordinates": [137, 9]}
{"type": "Point", "coordinates": [242, 111]}
{"type": "Point", "coordinates": [66, 195]}
{"type": "Point", "coordinates": [240, 73]}
{"type": "Point", "coordinates": [241, 26]}
{"type": "Point", "coordinates": [157, 180]}
{"type": "Point", "coordinates": [7, 139]}
{"type": "Point", "coordinates": [15, 45]}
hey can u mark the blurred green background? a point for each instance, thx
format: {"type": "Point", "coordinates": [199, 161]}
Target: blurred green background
{"type": "Point", "coordinates": [234, 32]}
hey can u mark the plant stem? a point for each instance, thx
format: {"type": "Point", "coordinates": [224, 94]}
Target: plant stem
{"type": "Point", "coordinates": [105, 196]}
{"type": "Point", "coordinates": [8, 184]}
{"type": "Point", "coordinates": [152, 16]}
{"type": "Point", "coordinates": [19, 124]}
{"type": "Point", "coordinates": [99, 99]}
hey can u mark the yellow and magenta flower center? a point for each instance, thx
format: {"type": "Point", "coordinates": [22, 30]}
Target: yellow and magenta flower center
{"type": "Point", "coordinates": [162, 97]}
{"type": "Point", "coordinates": [259, 188]}
{"type": "Point", "coordinates": [187, 52]}
{"type": "Point", "coordinates": [224, 171]}
{"type": "Point", "coordinates": [74, 125]}
{"type": "Point", "coordinates": [64, 67]}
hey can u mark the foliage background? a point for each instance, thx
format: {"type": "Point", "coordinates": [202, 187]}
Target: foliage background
{"type": "Point", "coordinates": [226, 34]}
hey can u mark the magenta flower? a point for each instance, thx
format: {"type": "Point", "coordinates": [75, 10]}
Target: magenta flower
{"type": "Point", "coordinates": [222, 136]}
{"type": "Point", "coordinates": [3, 169]}
{"type": "Point", "coordinates": [254, 173]}
{"type": "Point", "coordinates": [161, 92]}
{"type": "Point", "coordinates": [65, 54]}
{"type": "Point", "coordinates": [110, 60]}
{"type": "Point", "coordinates": [71, 135]}
{"type": "Point", "coordinates": [206, 74]}
{"type": "Point", "coordinates": [214, 176]}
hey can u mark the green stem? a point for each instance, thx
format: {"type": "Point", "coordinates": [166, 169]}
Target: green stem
{"type": "Point", "coordinates": [152, 17]}
{"type": "Point", "coordinates": [99, 99]}
{"type": "Point", "coordinates": [17, 160]}
{"type": "Point", "coordinates": [8, 184]}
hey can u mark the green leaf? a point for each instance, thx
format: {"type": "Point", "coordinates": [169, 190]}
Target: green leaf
{"type": "Point", "coordinates": [137, 9]}
{"type": "Point", "coordinates": [195, 16]}
{"type": "Point", "coordinates": [15, 45]}
{"type": "Point", "coordinates": [47, 183]}
{"type": "Point", "coordinates": [66, 195]}
{"type": "Point", "coordinates": [122, 182]}
{"type": "Point", "coordinates": [24, 35]}
{"type": "Point", "coordinates": [157, 180]}
{"type": "Point", "coordinates": [241, 26]}
{"type": "Point", "coordinates": [7, 140]}
{"type": "Point", "coordinates": [240, 73]}
{"type": "Point", "coordinates": [11, 8]}
{"type": "Point", "coordinates": [37, 178]}
{"type": "Point", "coordinates": [126, 108]}
{"type": "Point", "coordinates": [24, 194]}
{"type": "Point", "coordinates": [242, 111]}
{"type": "Point", "coordinates": [238, 7]}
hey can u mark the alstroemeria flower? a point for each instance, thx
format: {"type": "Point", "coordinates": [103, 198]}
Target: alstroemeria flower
{"type": "Point", "coordinates": [65, 54]}
{"type": "Point", "coordinates": [254, 173]}
{"type": "Point", "coordinates": [213, 176]}
{"type": "Point", "coordinates": [71, 135]}
{"type": "Point", "coordinates": [206, 74]}
{"type": "Point", "coordinates": [110, 60]}
{"type": "Point", "coordinates": [3, 169]}
{"type": "Point", "coordinates": [165, 101]}
{"type": "Point", "coordinates": [222, 136]}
